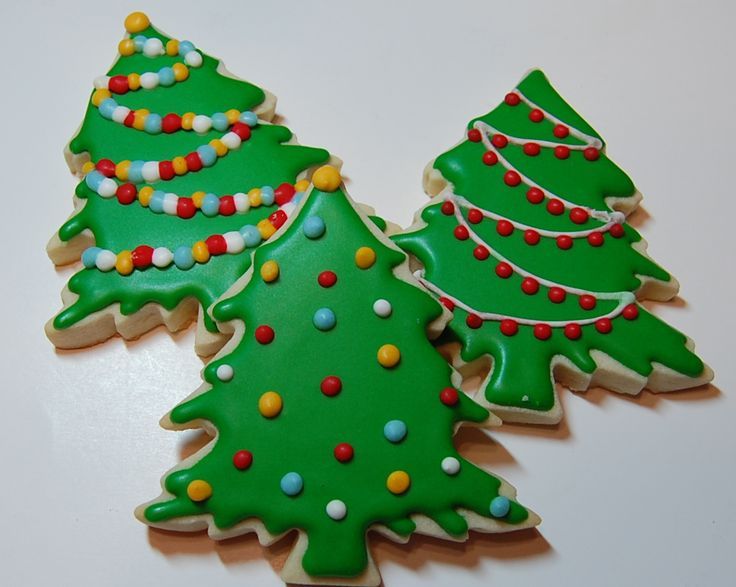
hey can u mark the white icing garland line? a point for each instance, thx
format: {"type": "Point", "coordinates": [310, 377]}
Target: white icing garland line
{"type": "Point", "coordinates": [484, 128]}
{"type": "Point", "coordinates": [490, 316]}
{"type": "Point", "coordinates": [616, 218]}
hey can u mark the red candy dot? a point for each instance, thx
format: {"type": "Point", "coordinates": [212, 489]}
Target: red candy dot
{"type": "Point", "coordinates": [242, 130]}
{"type": "Point", "coordinates": [542, 331]}
{"type": "Point", "coordinates": [166, 170]}
{"type": "Point", "coordinates": [185, 208]}
{"type": "Point", "coordinates": [504, 227]}
{"type": "Point", "coordinates": [474, 321]}
{"type": "Point", "coordinates": [283, 194]}
{"type": "Point", "coordinates": [243, 459]}
{"type": "Point", "coordinates": [587, 302]}
{"type": "Point", "coordinates": [327, 278]}
{"type": "Point", "coordinates": [227, 206]}
{"type": "Point", "coordinates": [603, 325]}
{"type": "Point", "coordinates": [616, 230]}
{"type": "Point", "coordinates": [448, 208]}
{"type": "Point", "coordinates": [535, 195]}
{"type": "Point", "coordinates": [556, 295]}
{"type": "Point", "coordinates": [481, 253]}
{"type": "Point", "coordinates": [512, 99]}
{"type": "Point", "coordinates": [591, 154]}
{"type": "Point", "coordinates": [509, 327]}
{"type": "Point", "coordinates": [461, 233]}
{"type": "Point", "coordinates": [511, 178]}
{"type": "Point", "coordinates": [474, 135]}
{"type": "Point", "coordinates": [106, 167]}
{"type": "Point", "coordinates": [118, 84]}
{"type": "Point", "coordinates": [265, 334]}
{"type": "Point", "coordinates": [129, 119]}
{"type": "Point", "coordinates": [595, 239]}
{"type": "Point", "coordinates": [564, 241]}
{"type": "Point", "coordinates": [529, 286]}
{"type": "Point", "coordinates": [331, 385]}
{"type": "Point", "coordinates": [573, 331]}
{"type": "Point", "coordinates": [278, 218]}
{"type": "Point", "coordinates": [631, 312]}
{"type": "Point", "coordinates": [532, 149]}
{"type": "Point", "coordinates": [171, 123]}
{"type": "Point", "coordinates": [126, 193]}
{"type": "Point", "coordinates": [449, 396]}
{"type": "Point", "coordinates": [562, 152]}
{"type": "Point", "coordinates": [344, 452]}
{"type": "Point", "coordinates": [475, 216]}
{"type": "Point", "coordinates": [490, 158]}
{"type": "Point", "coordinates": [531, 237]}
{"type": "Point", "coordinates": [447, 303]}
{"type": "Point", "coordinates": [142, 256]}
{"type": "Point", "coordinates": [216, 244]}
{"type": "Point", "coordinates": [555, 207]}
{"type": "Point", "coordinates": [194, 163]}
{"type": "Point", "coordinates": [499, 141]}
{"type": "Point", "coordinates": [561, 131]}
{"type": "Point", "coordinates": [536, 115]}
{"type": "Point", "coordinates": [504, 270]}
{"type": "Point", "coordinates": [578, 215]}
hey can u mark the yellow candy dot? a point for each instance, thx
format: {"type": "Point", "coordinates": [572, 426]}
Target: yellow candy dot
{"type": "Point", "coordinates": [398, 482]}
{"type": "Point", "coordinates": [172, 47]}
{"type": "Point", "coordinates": [139, 118]}
{"type": "Point", "coordinates": [100, 96]}
{"type": "Point", "coordinates": [136, 22]}
{"type": "Point", "coordinates": [270, 271]}
{"type": "Point", "coordinates": [121, 170]}
{"type": "Point", "coordinates": [218, 146]}
{"type": "Point", "coordinates": [254, 197]}
{"type": "Point", "coordinates": [389, 355]}
{"type": "Point", "coordinates": [124, 263]}
{"type": "Point", "coordinates": [200, 252]}
{"type": "Point", "coordinates": [134, 81]}
{"type": "Point", "coordinates": [181, 71]}
{"type": "Point", "coordinates": [87, 167]}
{"type": "Point", "coordinates": [144, 195]}
{"type": "Point", "coordinates": [197, 198]}
{"type": "Point", "coordinates": [327, 178]}
{"type": "Point", "coordinates": [365, 257]}
{"type": "Point", "coordinates": [199, 490]}
{"type": "Point", "coordinates": [187, 119]}
{"type": "Point", "coordinates": [270, 404]}
{"type": "Point", "coordinates": [266, 228]}
{"type": "Point", "coordinates": [301, 185]}
{"type": "Point", "coordinates": [232, 115]}
{"type": "Point", "coordinates": [126, 47]}
{"type": "Point", "coordinates": [180, 166]}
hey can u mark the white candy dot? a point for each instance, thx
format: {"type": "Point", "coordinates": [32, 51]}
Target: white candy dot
{"type": "Point", "coordinates": [201, 123]}
{"type": "Point", "coordinates": [153, 47]}
{"type": "Point", "coordinates": [382, 308]}
{"type": "Point", "coordinates": [193, 59]}
{"type": "Point", "coordinates": [107, 188]}
{"type": "Point", "coordinates": [101, 82]}
{"type": "Point", "coordinates": [336, 509]}
{"type": "Point", "coordinates": [149, 80]}
{"type": "Point", "coordinates": [162, 257]}
{"type": "Point", "coordinates": [120, 114]}
{"type": "Point", "coordinates": [450, 465]}
{"type": "Point", "coordinates": [225, 372]}
{"type": "Point", "coordinates": [242, 203]}
{"type": "Point", "coordinates": [105, 260]}
{"type": "Point", "coordinates": [150, 171]}
{"type": "Point", "coordinates": [235, 242]}
{"type": "Point", "coordinates": [170, 203]}
{"type": "Point", "coordinates": [231, 140]}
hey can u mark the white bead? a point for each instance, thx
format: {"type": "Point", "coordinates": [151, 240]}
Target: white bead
{"type": "Point", "coordinates": [153, 47]}
{"type": "Point", "coordinates": [231, 140]}
{"type": "Point", "coordinates": [242, 204]}
{"type": "Point", "coordinates": [120, 114]}
{"type": "Point", "coordinates": [101, 82]}
{"type": "Point", "coordinates": [170, 202]}
{"type": "Point", "coordinates": [108, 188]}
{"type": "Point", "coordinates": [193, 59]}
{"type": "Point", "coordinates": [235, 241]}
{"type": "Point", "coordinates": [105, 260]}
{"type": "Point", "coordinates": [450, 465]}
{"type": "Point", "coordinates": [162, 257]}
{"type": "Point", "coordinates": [225, 372]}
{"type": "Point", "coordinates": [382, 308]}
{"type": "Point", "coordinates": [150, 171]}
{"type": "Point", "coordinates": [149, 80]}
{"type": "Point", "coordinates": [337, 509]}
{"type": "Point", "coordinates": [201, 123]}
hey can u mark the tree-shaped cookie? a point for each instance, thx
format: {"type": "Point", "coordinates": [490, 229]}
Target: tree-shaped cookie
{"type": "Point", "coordinates": [527, 242]}
{"type": "Point", "coordinates": [331, 411]}
{"type": "Point", "coordinates": [180, 179]}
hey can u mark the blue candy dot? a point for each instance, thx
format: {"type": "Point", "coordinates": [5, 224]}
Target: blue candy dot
{"type": "Point", "coordinates": [152, 123]}
{"type": "Point", "coordinates": [139, 41]}
{"type": "Point", "coordinates": [251, 235]}
{"type": "Point", "coordinates": [249, 118]}
{"type": "Point", "coordinates": [292, 484]}
{"type": "Point", "coordinates": [166, 77]}
{"type": "Point", "coordinates": [185, 47]}
{"type": "Point", "coordinates": [89, 257]}
{"type": "Point", "coordinates": [324, 319]}
{"type": "Point", "coordinates": [207, 154]}
{"type": "Point", "coordinates": [267, 195]}
{"type": "Point", "coordinates": [93, 180]}
{"type": "Point", "coordinates": [107, 107]}
{"type": "Point", "coordinates": [500, 506]}
{"type": "Point", "coordinates": [395, 430]}
{"type": "Point", "coordinates": [314, 227]}
{"type": "Point", "coordinates": [219, 121]}
{"type": "Point", "coordinates": [210, 205]}
{"type": "Point", "coordinates": [135, 172]}
{"type": "Point", "coordinates": [183, 258]}
{"type": "Point", "coordinates": [156, 204]}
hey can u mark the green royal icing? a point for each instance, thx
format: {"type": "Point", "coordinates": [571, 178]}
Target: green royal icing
{"type": "Point", "coordinates": [521, 371]}
{"type": "Point", "coordinates": [264, 159]}
{"type": "Point", "coordinates": [302, 438]}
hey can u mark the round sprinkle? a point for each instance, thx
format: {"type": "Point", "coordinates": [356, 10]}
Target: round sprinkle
{"type": "Point", "coordinates": [270, 404]}
{"type": "Point", "coordinates": [365, 257]}
{"type": "Point", "coordinates": [225, 372]}
{"type": "Point", "coordinates": [449, 396]}
{"type": "Point", "coordinates": [326, 178]}
{"type": "Point", "coordinates": [327, 279]}
{"type": "Point", "coordinates": [324, 319]}
{"type": "Point", "coordinates": [500, 506]}
{"type": "Point", "coordinates": [199, 490]}
{"type": "Point", "coordinates": [314, 227]}
{"type": "Point", "coordinates": [344, 452]}
{"type": "Point", "coordinates": [270, 271]}
{"type": "Point", "coordinates": [243, 459]}
{"type": "Point", "coordinates": [331, 385]}
{"type": "Point", "coordinates": [265, 334]}
{"type": "Point", "coordinates": [389, 355]}
{"type": "Point", "coordinates": [395, 431]}
{"type": "Point", "coordinates": [382, 308]}
{"type": "Point", "coordinates": [450, 465]}
{"type": "Point", "coordinates": [292, 484]}
{"type": "Point", "coordinates": [398, 482]}
{"type": "Point", "coordinates": [337, 509]}
{"type": "Point", "coordinates": [136, 22]}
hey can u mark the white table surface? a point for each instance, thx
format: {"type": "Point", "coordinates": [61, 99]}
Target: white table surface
{"type": "Point", "coordinates": [632, 491]}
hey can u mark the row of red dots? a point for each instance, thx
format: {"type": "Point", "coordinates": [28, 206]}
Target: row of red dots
{"type": "Point", "coordinates": [529, 148]}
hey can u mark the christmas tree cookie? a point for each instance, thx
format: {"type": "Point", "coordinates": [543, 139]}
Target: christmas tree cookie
{"type": "Point", "coordinates": [331, 411]}
{"type": "Point", "coordinates": [526, 241]}
{"type": "Point", "coordinates": [180, 178]}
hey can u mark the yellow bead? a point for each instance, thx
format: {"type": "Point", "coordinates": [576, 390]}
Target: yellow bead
{"type": "Point", "coordinates": [389, 355]}
{"type": "Point", "coordinates": [121, 170]}
{"type": "Point", "coordinates": [199, 490]}
{"type": "Point", "coordinates": [219, 147]}
{"type": "Point", "coordinates": [301, 185]}
{"type": "Point", "coordinates": [87, 167]}
{"type": "Point", "coordinates": [181, 71]}
{"type": "Point", "coordinates": [180, 165]}
{"type": "Point", "coordinates": [126, 47]}
{"type": "Point", "coordinates": [100, 96]}
{"type": "Point", "coordinates": [172, 47]}
{"type": "Point", "coordinates": [233, 115]}
{"type": "Point", "coordinates": [327, 178]}
{"type": "Point", "coordinates": [254, 197]}
{"type": "Point", "coordinates": [139, 118]}
{"type": "Point", "coordinates": [144, 195]}
{"type": "Point", "coordinates": [266, 228]}
{"type": "Point", "coordinates": [270, 271]}
{"type": "Point", "coordinates": [200, 252]}
{"type": "Point", "coordinates": [134, 81]}
{"type": "Point", "coordinates": [270, 404]}
{"type": "Point", "coordinates": [197, 198]}
{"type": "Point", "coordinates": [365, 257]}
{"type": "Point", "coordinates": [187, 119]}
{"type": "Point", "coordinates": [398, 482]}
{"type": "Point", "coordinates": [136, 22]}
{"type": "Point", "coordinates": [124, 263]}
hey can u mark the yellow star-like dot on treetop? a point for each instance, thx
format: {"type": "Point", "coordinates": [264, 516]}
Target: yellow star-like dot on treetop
{"type": "Point", "coordinates": [136, 22]}
{"type": "Point", "coordinates": [327, 178]}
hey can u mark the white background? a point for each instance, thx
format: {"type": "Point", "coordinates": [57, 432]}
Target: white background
{"type": "Point", "coordinates": [632, 491]}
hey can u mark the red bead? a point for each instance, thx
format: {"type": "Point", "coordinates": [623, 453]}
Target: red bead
{"type": "Point", "coordinates": [536, 115]}
{"type": "Point", "coordinates": [542, 331]}
{"type": "Point", "coordinates": [561, 131]}
{"type": "Point", "coordinates": [327, 278]}
{"type": "Point", "coordinates": [564, 242]}
{"type": "Point", "coordinates": [603, 325]}
{"type": "Point", "coordinates": [171, 123]}
{"type": "Point", "coordinates": [531, 237]}
{"type": "Point", "coordinates": [278, 218]}
{"type": "Point", "coordinates": [532, 149]}
{"type": "Point", "coordinates": [595, 239]}
{"type": "Point", "coordinates": [166, 170]}
{"type": "Point", "coordinates": [504, 227]}
{"type": "Point", "coordinates": [447, 303]}
{"type": "Point", "coordinates": [504, 270]}
{"type": "Point", "coordinates": [499, 141]}
{"type": "Point", "coordinates": [344, 452]}
{"type": "Point", "coordinates": [242, 130]}
{"type": "Point", "coordinates": [185, 208]}
{"type": "Point", "coordinates": [587, 302]}
{"type": "Point", "coordinates": [529, 286]}
{"type": "Point", "coordinates": [616, 230]}
{"type": "Point", "coordinates": [142, 256]}
{"type": "Point", "coordinates": [474, 321]}
{"type": "Point", "coordinates": [216, 244]}
{"type": "Point", "coordinates": [631, 312]}
{"type": "Point", "coordinates": [126, 193]}
{"type": "Point", "coordinates": [475, 216]}
{"type": "Point", "coordinates": [535, 195]}
{"type": "Point", "coordinates": [227, 206]}
{"type": "Point", "coordinates": [555, 207]}
{"type": "Point", "coordinates": [283, 194]}
{"type": "Point", "coordinates": [509, 327]}
{"type": "Point", "coordinates": [118, 84]}
{"type": "Point", "coordinates": [573, 331]}
{"type": "Point", "coordinates": [449, 396]}
{"type": "Point", "coordinates": [562, 152]}
{"type": "Point", "coordinates": [511, 178]}
{"type": "Point", "coordinates": [331, 385]}
{"type": "Point", "coordinates": [556, 295]}
{"type": "Point", "coordinates": [490, 158]}
{"type": "Point", "coordinates": [461, 233]}
{"type": "Point", "coordinates": [265, 334]}
{"type": "Point", "coordinates": [474, 135]}
{"type": "Point", "coordinates": [194, 163]}
{"type": "Point", "coordinates": [129, 119]}
{"type": "Point", "coordinates": [106, 167]}
{"type": "Point", "coordinates": [448, 208]}
{"type": "Point", "coordinates": [243, 459]}
{"type": "Point", "coordinates": [578, 215]}
{"type": "Point", "coordinates": [512, 99]}
{"type": "Point", "coordinates": [481, 253]}
{"type": "Point", "coordinates": [591, 154]}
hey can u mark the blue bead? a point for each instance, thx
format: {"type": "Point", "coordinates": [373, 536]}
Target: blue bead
{"type": "Point", "coordinates": [220, 122]}
{"type": "Point", "coordinates": [183, 258]}
{"type": "Point", "coordinates": [267, 195]}
{"type": "Point", "coordinates": [185, 47]}
{"type": "Point", "coordinates": [152, 124]}
{"type": "Point", "coordinates": [324, 319]}
{"type": "Point", "coordinates": [166, 77]}
{"type": "Point", "coordinates": [135, 172]}
{"type": "Point", "coordinates": [249, 118]}
{"type": "Point", "coordinates": [106, 108]}
{"type": "Point", "coordinates": [156, 204]}
{"type": "Point", "coordinates": [500, 506]}
{"type": "Point", "coordinates": [89, 257]}
{"type": "Point", "coordinates": [251, 235]}
{"type": "Point", "coordinates": [207, 154]}
{"type": "Point", "coordinates": [395, 430]}
{"type": "Point", "coordinates": [93, 180]}
{"type": "Point", "coordinates": [292, 484]}
{"type": "Point", "coordinates": [210, 205]}
{"type": "Point", "coordinates": [139, 41]}
{"type": "Point", "coordinates": [314, 227]}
